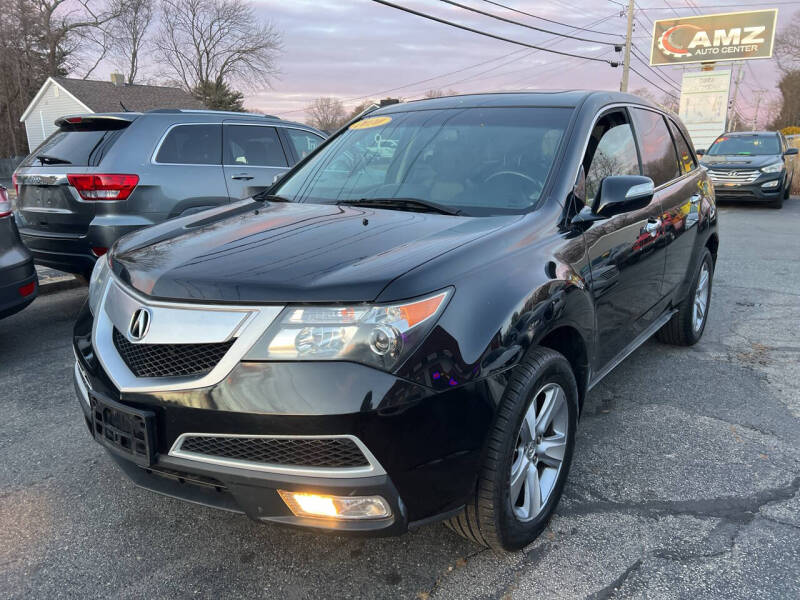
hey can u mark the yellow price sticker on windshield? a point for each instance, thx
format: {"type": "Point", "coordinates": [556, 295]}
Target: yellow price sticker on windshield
{"type": "Point", "coordinates": [371, 122]}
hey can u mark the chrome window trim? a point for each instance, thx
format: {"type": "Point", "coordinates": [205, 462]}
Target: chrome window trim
{"type": "Point", "coordinates": [626, 105]}
{"type": "Point", "coordinates": [247, 330]}
{"type": "Point", "coordinates": [160, 142]}
{"type": "Point", "coordinates": [374, 468]}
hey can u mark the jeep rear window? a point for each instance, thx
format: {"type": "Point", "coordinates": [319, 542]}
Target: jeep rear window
{"type": "Point", "coordinates": [82, 148]}
{"type": "Point", "coordinates": [480, 161]}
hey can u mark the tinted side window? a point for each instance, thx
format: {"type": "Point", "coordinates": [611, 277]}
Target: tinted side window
{"type": "Point", "coordinates": [192, 145]}
{"type": "Point", "coordinates": [686, 161]}
{"type": "Point", "coordinates": [614, 153]}
{"type": "Point", "coordinates": [303, 142]}
{"type": "Point", "coordinates": [253, 145]}
{"type": "Point", "coordinates": [659, 161]}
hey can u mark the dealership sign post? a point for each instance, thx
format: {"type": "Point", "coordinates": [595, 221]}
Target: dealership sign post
{"type": "Point", "coordinates": [704, 105]}
{"type": "Point", "coordinates": [710, 38]}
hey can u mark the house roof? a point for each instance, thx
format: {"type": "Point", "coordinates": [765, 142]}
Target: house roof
{"type": "Point", "coordinates": [104, 96]}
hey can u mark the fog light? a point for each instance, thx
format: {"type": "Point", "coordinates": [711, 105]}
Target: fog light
{"type": "Point", "coordinates": [304, 504]}
{"type": "Point", "coordinates": [771, 184]}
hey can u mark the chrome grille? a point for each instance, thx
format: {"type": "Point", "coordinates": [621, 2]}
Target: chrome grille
{"type": "Point", "coordinates": [169, 360]}
{"type": "Point", "coordinates": [734, 176]}
{"type": "Point", "coordinates": [331, 453]}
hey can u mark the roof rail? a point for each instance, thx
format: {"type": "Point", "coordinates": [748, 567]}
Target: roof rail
{"type": "Point", "coordinates": [208, 110]}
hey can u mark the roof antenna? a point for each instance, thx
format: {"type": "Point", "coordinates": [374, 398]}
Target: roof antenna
{"type": "Point", "coordinates": [123, 106]}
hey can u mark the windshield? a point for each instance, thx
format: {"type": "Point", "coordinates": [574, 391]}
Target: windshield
{"type": "Point", "coordinates": [746, 145]}
{"type": "Point", "coordinates": [476, 161]}
{"type": "Point", "coordinates": [78, 148]}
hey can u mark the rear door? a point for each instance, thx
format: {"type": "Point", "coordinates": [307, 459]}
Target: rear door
{"type": "Point", "coordinates": [681, 202]}
{"type": "Point", "coordinates": [47, 205]}
{"type": "Point", "coordinates": [252, 156]}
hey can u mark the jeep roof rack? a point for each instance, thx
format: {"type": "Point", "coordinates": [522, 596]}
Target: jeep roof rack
{"type": "Point", "coordinates": [208, 110]}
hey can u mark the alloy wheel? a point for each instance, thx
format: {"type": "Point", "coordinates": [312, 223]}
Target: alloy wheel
{"type": "Point", "coordinates": [701, 298]}
{"type": "Point", "coordinates": [539, 452]}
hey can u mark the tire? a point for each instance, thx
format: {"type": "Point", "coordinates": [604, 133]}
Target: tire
{"type": "Point", "coordinates": [682, 329]}
{"type": "Point", "coordinates": [777, 203]}
{"type": "Point", "coordinates": [488, 518]}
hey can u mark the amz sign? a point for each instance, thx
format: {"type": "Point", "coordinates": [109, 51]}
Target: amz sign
{"type": "Point", "coordinates": [707, 38]}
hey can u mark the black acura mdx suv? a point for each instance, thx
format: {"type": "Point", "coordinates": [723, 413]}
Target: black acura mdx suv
{"type": "Point", "coordinates": [405, 327]}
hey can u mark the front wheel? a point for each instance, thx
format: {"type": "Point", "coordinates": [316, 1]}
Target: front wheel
{"type": "Point", "coordinates": [528, 455]}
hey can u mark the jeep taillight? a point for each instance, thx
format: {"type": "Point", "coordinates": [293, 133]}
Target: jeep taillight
{"type": "Point", "coordinates": [5, 205]}
{"type": "Point", "coordinates": [103, 187]}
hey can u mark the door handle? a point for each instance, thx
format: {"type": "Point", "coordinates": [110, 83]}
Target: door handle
{"type": "Point", "coordinates": [652, 226]}
{"type": "Point", "coordinates": [695, 199]}
{"type": "Point", "coordinates": [242, 177]}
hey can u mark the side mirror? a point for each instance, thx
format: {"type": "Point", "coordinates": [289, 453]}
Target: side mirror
{"type": "Point", "coordinates": [790, 152]}
{"type": "Point", "coordinates": [700, 151]}
{"type": "Point", "coordinates": [277, 178]}
{"type": "Point", "coordinates": [622, 193]}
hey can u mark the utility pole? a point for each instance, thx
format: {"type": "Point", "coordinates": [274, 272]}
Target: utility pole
{"type": "Point", "coordinates": [626, 65]}
{"type": "Point", "coordinates": [759, 94]}
{"type": "Point", "coordinates": [732, 121]}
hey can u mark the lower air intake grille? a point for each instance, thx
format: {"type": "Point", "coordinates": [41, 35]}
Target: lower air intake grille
{"type": "Point", "coordinates": [297, 452]}
{"type": "Point", "coordinates": [169, 360]}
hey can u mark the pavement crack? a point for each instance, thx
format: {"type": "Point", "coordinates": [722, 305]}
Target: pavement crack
{"type": "Point", "coordinates": [460, 562]}
{"type": "Point", "coordinates": [733, 508]}
{"type": "Point", "coordinates": [612, 588]}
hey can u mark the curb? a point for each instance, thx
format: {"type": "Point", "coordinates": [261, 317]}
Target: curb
{"type": "Point", "coordinates": [51, 285]}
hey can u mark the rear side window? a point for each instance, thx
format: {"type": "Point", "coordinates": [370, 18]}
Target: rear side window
{"type": "Point", "coordinates": [253, 145]}
{"type": "Point", "coordinates": [79, 148]}
{"type": "Point", "coordinates": [659, 161]}
{"type": "Point", "coordinates": [303, 142]}
{"type": "Point", "coordinates": [192, 145]}
{"type": "Point", "coordinates": [685, 159]}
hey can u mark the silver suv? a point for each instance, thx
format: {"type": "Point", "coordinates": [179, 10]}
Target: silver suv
{"type": "Point", "coordinates": [100, 176]}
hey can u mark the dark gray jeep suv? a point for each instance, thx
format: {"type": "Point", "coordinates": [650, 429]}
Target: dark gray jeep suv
{"type": "Point", "coordinates": [101, 176]}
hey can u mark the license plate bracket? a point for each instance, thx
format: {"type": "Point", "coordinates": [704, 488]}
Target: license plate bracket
{"type": "Point", "coordinates": [129, 432]}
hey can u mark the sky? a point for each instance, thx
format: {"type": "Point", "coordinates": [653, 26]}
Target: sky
{"type": "Point", "coordinates": [358, 49]}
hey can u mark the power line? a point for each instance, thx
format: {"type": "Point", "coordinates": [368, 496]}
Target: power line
{"type": "Point", "coordinates": [651, 69]}
{"type": "Point", "coordinates": [499, 18]}
{"type": "Point", "coordinates": [669, 93]}
{"type": "Point", "coordinates": [750, 5]}
{"type": "Point", "coordinates": [527, 14]}
{"type": "Point", "coordinates": [526, 53]}
{"type": "Point", "coordinates": [487, 34]}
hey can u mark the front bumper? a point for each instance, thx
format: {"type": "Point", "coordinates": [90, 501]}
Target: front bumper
{"type": "Point", "coordinates": [428, 444]}
{"type": "Point", "coordinates": [752, 191]}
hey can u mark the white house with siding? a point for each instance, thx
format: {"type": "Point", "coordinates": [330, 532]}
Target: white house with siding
{"type": "Point", "coordinates": [61, 96]}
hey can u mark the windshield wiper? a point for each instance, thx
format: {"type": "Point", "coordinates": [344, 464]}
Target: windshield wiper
{"type": "Point", "coordinates": [45, 159]}
{"type": "Point", "coordinates": [264, 197]}
{"type": "Point", "coordinates": [403, 204]}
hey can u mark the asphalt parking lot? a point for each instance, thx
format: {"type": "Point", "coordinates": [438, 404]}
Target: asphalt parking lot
{"type": "Point", "coordinates": [686, 482]}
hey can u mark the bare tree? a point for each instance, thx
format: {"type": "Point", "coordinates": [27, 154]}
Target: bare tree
{"type": "Point", "coordinates": [66, 31]}
{"type": "Point", "coordinates": [130, 34]}
{"type": "Point", "coordinates": [327, 114]}
{"type": "Point", "coordinates": [204, 42]}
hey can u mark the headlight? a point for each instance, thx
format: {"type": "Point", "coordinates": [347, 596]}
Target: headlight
{"type": "Point", "coordinates": [773, 168]}
{"type": "Point", "coordinates": [380, 335]}
{"type": "Point", "coordinates": [97, 282]}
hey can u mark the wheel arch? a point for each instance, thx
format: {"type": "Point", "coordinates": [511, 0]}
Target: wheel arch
{"type": "Point", "coordinates": [567, 340]}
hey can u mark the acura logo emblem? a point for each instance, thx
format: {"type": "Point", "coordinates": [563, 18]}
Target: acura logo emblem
{"type": "Point", "coordinates": [140, 323]}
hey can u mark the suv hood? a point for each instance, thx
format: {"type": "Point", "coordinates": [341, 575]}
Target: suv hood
{"type": "Point", "coordinates": [286, 252]}
{"type": "Point", "coordinates": [736, 161]}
